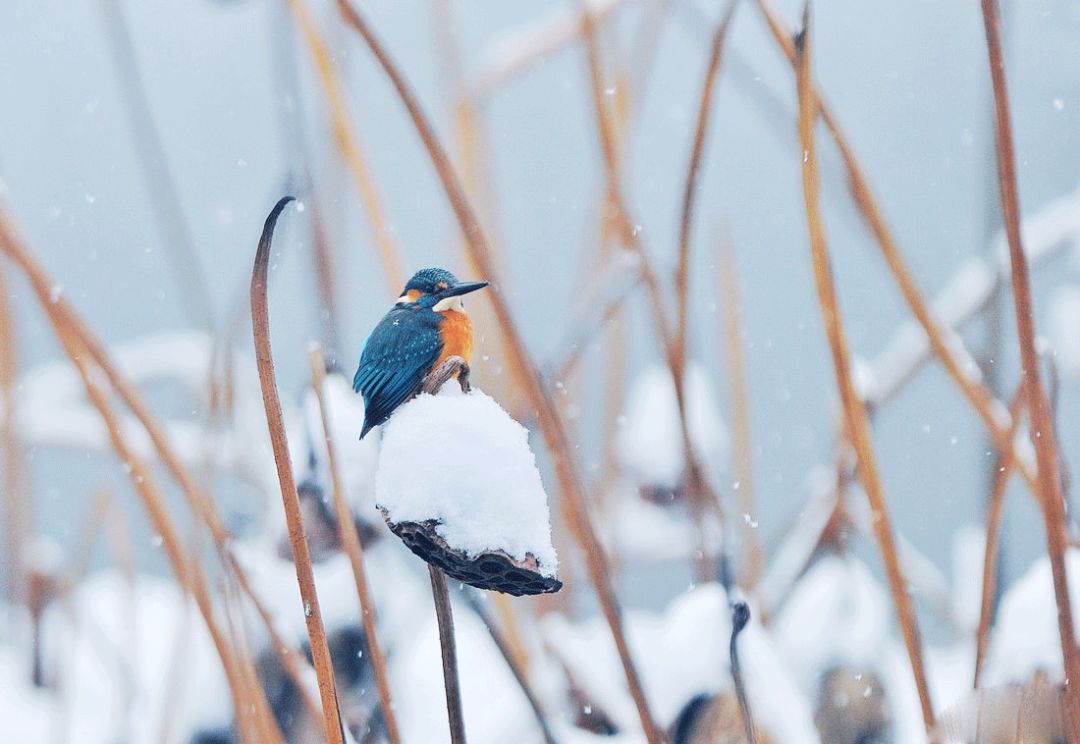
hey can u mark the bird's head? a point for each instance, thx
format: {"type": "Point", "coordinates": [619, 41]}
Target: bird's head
{"type": "Point", "coordinates": [437, 289]}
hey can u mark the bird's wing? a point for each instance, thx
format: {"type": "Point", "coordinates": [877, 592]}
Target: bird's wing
{"type": "Point", "coordinates": [396, 357]}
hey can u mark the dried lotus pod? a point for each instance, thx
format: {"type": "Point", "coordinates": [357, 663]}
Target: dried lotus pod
{"type": "Point", "coordinates": [495, 570]}
{"type": "Point", "coordinates": [712, 719]}
{"type": "Point", "coordinates": [1029, 714]}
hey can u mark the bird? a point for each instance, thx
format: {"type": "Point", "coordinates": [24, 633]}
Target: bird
{"type": "Point", "coordinates": [426, 327]}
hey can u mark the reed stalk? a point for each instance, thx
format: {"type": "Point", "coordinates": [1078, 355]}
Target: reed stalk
{"type": "Point", "coordinates": [857, 422]}
{"type": "Point", "coordinates": [350, 541]}
{"type": "Point", "coordinates": [1042, 433]}
{"type": "Point", "coordinates": [305, 575]}
{"type": "Point", "coordinates": [448, 647]}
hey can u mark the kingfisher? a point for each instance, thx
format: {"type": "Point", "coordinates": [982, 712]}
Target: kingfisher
{"type": "Point", "coordinates": [426, 327]}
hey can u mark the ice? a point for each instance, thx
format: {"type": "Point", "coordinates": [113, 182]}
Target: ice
{"type": "Point", "coordinates": [650, 443]}
{"type": "Point", "coordinates": [462, 460]}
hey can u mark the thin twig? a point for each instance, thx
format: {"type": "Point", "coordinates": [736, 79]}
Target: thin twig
{"type": "Point", "coordinates": [740, 616]}
{"type": "Point", "coordinates": [946, 344]}
{"type": "Point", "coordinates": [1004, 466]}
{"type": "Point", "coordinates": [733, 345]}
{"type": "Point", "coordinates": [677, 356]}
{"type": "Point", "coordinates": [305, 576]}
{"type": "Point", "coordinates": [855, 416]}
{"type": "Point", "coordinates": [448, 647]}
{"type": "Point", "coordinates": [17, 516]}
{"type": "Point", "coordinates": [540, 400]}
{"type": "Point", "coordinates": [350, 541]}
{"type": "Point", "coordinates": [501, 643]}
{"type": "Point", "coordinates": [1042, 427]}
{"type": "Point", "coordinates": [351, 150]}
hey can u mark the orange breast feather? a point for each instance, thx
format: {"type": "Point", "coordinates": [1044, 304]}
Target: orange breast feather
{"type": "Point", "coordinates": [456, 331]}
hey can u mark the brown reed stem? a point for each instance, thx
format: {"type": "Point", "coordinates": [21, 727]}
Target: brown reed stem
{"type": "Point", "coordinates": [947, 345]}
{"type": "Point", "coordinates": [690, 185]}
{"type": "Point", "coordinates": [188, 574]}
{"type": "Point", "coordinates": [448, 646]}
{"type": "Point", "coordinates": [677, 356]}
{"type": "Point", "coordinates": [551, 425]}
{"type": "Point", "coordinates": [350, 541]}
{"type": "Point", "coordinates": [1042, 428]}
{"type": "Point", "coordinates": [854, 413]}
{"type": "Point", "coordinates": [61, 314]}
{"type": "Point", "coordinates": [16, 496]}
{"type": "Point", "coordinates": [1004, 466]}
{"type": "Point", "coordinates": [508, 654]}
{"type": "Point", "coordinates": [740, 408]}
{"type": "Point", "coordinates": [305, 576]}
{"type": "Point", "coordinates": [352, 152]}
{"type": "Point", "coordinates": [740, 616]}
{"type": "Point", "coordinates": [702, 494]}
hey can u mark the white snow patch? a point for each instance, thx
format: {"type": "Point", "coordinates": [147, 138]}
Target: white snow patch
{"type": "Point", "coordinates": [1025, 639]}
{"type": "Point", "coordinates": [650, 443]}
{"type": "Point", "coordinates": [1065, 329]}
{"type": "Point", "coordinates": [463, 461]}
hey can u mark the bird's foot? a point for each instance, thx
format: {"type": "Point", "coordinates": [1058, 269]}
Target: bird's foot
{"type": "Point", "coordinates": [453, 366]}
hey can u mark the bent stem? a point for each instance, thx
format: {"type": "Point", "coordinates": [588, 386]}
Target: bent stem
{"type": "Point", "coordinates": [350, 540]}
{"type": "Point", "coordinates": [855, 416]}
{"type": "Point", "coordinates": [305, 576]}
{"type": "Point", "coordinates": [539, 397]}
{"type": "Point", "coordinates": [65, 319]}
{"type": "Point", "coordinates": [945, 343]}
{"type": "Point", "coordinates": [1042, 434]}
{"type": "Point", "coordinates": [740, 616]}
{"type": "Point", "coordinates": [448, 647]}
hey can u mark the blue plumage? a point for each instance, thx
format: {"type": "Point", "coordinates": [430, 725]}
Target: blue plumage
{"type": "Point", "coordinates": [397, 356]}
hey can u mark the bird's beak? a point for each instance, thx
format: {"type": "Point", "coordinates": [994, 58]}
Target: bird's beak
{"type": "Point", "coordinates": [462, 288]}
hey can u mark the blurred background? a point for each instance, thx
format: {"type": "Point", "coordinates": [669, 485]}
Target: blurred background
{"type": "Point", "coordinates": [142, 144]}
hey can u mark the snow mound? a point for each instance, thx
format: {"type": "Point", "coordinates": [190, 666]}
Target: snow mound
{"type": "Point", "coordinates": [650, 442]}
{"type": "Point", "coordinates": [461, 460]}
{"type": "Point", "coordinates": [1025, 639]}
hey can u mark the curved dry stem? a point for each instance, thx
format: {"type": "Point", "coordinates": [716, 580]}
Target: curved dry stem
{"type": "Point", "coordinates": [350, 540]}
{"type": "Point", "coordinates": [351, 150]}
{"type": "Point", "coordinates": [740, 616]}
{"type": "Point", "coordinates": [1042, 428]}
{"type": "Point", "coordinates": [305, 576]}
{"type": "Point", "coordinates": [63, 316]}
{"type": "Point", "coordinates": [189, 575]}
{"type": "Point", "coordinates": [996, 510]}
{"type": "Point", "coordinates": [946, 345]}
{"type": "Point", "coordinates": [690, 187]}
{"type": "Point", "coordinates": [448, 646]}
{"type": "Point", "coordinates": [857, 423]}
{"type": "Point", "coordinates": [551, 425]}
{"type": "Point", "coordinates": [703, 496]}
